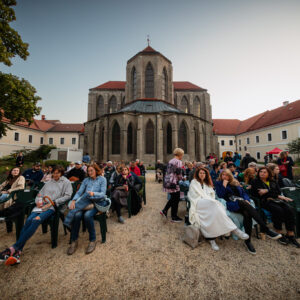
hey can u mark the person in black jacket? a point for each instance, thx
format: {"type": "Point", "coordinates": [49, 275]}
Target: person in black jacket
{"type": "Point", "coordinates": [125, 183]}
{"type": "Point", "coordinates": [76, 172]}
{"type": "Point", "coordinates": [20, 160]}
{"type": "Point", "coordinates": [268, 191]}
{"type": "Point", "coordinates": [247, 160]}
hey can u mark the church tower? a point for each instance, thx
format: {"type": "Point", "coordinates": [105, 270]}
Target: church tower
{"type": "Point", "coordinates": [149, 75]}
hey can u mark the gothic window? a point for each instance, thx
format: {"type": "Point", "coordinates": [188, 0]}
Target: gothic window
{"type": "Point", "coordinates": [112, 107]}
{"type": "Point", "coordinates": [184, 106]}
{"type": "Point", "coordinates": [101, 146]}
{"type": "Point", "coordinates": [202, 108]}
{"type": "Point", "coordinates": [149, 136]}
{"type": "Point", "coordinates": [123, 102]}
{"type": "Point", "coordinates": [149, 82]}
{"type": "Point", "coordinates": [169, 139]}
{"type": "Point", "coordinates": [100, 107]}
{"type": "Point", "coordinates": [134, 85]}
{"type": "Point", "coordinates": [182, 139]}
{"type": "Point", "coordinates": [164, 94]}
{"type": "Point", "coordinates": [129, 139]}
{"type": "Point", "coordinates": [197, 106]}
{"type": "Point", "coordinates": [116, 139]}
{"type": "Point", "coordinates": [94, 141]}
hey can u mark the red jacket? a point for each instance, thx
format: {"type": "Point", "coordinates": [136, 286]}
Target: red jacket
{"type": "Point", "coordinates": [135, 170]}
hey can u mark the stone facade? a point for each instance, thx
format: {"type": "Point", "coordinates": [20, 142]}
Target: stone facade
{"type": "Point", "coordinates": [180, 117]}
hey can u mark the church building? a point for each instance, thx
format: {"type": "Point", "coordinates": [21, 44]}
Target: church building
{"type": "Point", "coordinates": [148, 115]}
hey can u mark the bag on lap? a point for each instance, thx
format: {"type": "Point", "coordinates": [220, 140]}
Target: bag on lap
{"type": "Point", "coordinates": [191, 236]}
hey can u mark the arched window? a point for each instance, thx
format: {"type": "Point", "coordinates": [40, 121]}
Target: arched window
{"type": "Point", "coordinates": [94, 141]}
{"type": "Point", "coordinates": [112, 106]}
{"type": "Point", "coordinates": [129, 139]}
{"type": "Point", "coordinates": [196, 106]}
{"type": "Point", "coordinates": [182, 138]}
{"type": "Point", "coordinates": [164, 87]}
{"type": "Point", "coordinates": [149, 136]}
{"type": "Point", "coordinates": [134, 84]}
{"type": "Point", "coordinates": [202, 108]}
{"type": "Point", "coordinates": [169, 139]}
{"type": "Point", "coordinates": [184, 106]}
{"type": "Point", "coordinates": [100, 107]}
{"type": "Point", "coordinates": [116, 139]}
{"type": "Point", "coordinates": [149, 81]}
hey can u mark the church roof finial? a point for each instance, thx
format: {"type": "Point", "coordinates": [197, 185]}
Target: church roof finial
{"type": "Point", "coordinates": [148, 39]}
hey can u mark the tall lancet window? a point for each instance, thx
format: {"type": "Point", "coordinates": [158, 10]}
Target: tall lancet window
{"type": "Point", "coordinates": [164, 86]}
{"type": "Point", "coordinates": [134, 85]}
{"type": "Point", "coordinates": [149, 82]}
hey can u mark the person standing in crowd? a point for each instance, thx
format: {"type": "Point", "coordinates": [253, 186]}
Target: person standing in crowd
{"type": "Point", "coordinates": [108, 171]}
{"type": "Point", "coordinates": [228, 158]}
{"type": "Point", "coordinates": [268, 191]}
{"type": "Point", "coordinates": [76, 173]}
{"type": "Point", "coordinates": [33, 175]}
{"type": "Point", "coordinates": [171, 185]}
{"type": "Point", "coordinates": [20, 160]}
{"type": "Point", "coordinates": [86, 158]}
{"type": "Point", "coordinates": [207, 213]}
{"type": "Point", "coordinates": [246, 160]}
{"type": "Point", "coordinates": [59, 190]}
{"type": "Point", "coordinates": [266, 159]}
{"type": "Point", "coordinates": [237, 200]}
{"type": "Point", "coordinates": [285, 164]}
{"type": "Point", "coordinates": [142, 168]}
{"type": "Point", "coordinates": [135, 169]}
{"type": "Point", "coordinates": [211, 163]}
{"type": "Point", "coordinates": [237, 159]}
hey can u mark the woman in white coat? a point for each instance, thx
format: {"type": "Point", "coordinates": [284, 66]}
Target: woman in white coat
{"type": "Point", "coordinates": [207, 213]}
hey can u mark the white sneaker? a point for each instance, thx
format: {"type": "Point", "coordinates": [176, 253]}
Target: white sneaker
{"type": "Point", "coordinates": [214, 245]}
{"type": "Point", "coordinates": [240, 234]}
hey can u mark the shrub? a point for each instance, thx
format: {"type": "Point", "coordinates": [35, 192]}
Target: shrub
{"type": "Point", "coordinates": [38, 154]}
{"type": "Point", "coordinates": [63, 163]}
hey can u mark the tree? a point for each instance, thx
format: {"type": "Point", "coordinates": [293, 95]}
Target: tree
{"type": "Point", "coordinates": [294, 147]}
{"type": "Point", "coordinates": [18, 101]}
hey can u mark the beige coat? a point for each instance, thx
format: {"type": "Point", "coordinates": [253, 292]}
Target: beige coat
{"type": "Point", "coordinates": [19, 184]}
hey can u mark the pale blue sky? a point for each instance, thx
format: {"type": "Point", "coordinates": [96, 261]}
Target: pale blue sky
{"type": "Point", "coordinates": [246, 53]}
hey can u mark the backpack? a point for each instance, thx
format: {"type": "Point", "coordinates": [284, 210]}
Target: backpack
{"type": "Point", "coordinates": [172, 170]}
{"type": "Point", "coordinates": [191, 236]}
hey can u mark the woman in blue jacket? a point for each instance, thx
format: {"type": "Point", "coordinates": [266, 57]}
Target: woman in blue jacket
{"type": "Point", "coordinates": [237, 200]}
{"type": "Point", "coordinates": [93, 188]}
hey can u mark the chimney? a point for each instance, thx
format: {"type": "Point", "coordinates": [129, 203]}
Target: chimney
{"type": "Point", "coordinates": [285, 103]}
{"type": "Point", "coordinates": [43, 117]}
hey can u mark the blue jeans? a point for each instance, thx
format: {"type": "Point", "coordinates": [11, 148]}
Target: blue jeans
{"type": "Point", "coordinates": [3, 197]}
{"type": "Point", "coordinates": [30, 227]}
{"type": "Point", "coordinates": [89, 222]}
{"type": "Point", "coordinates": [81, 203]}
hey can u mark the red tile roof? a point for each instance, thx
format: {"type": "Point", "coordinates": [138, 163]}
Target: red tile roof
{"type": "Point", "coordinates": [49, 125]}
{"type": "Point", "coordinates": [268, 118]}
{"type": "Point", "coordinates": [120, 85]}
{"type": "Point", "coordinates": [149, 49]}
{"type": "Point", "coordinates": [67, 128]}
{"type": "Point", "coordinates": [225, 126]}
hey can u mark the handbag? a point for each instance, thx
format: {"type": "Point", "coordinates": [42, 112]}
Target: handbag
{"type": "Point", "coordinates": [103, 205]}
{"type": "Point", "coordinates": [191, 236]}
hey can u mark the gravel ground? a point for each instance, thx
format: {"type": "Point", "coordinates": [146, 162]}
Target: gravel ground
{"type": "Point", "coordinates": [145, 259]}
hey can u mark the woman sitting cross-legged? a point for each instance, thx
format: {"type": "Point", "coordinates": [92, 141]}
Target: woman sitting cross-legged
{"type": "Point", "coordinates": [59, 190]}
{"type": "Point", "coordinates": [267, 189]}
{"type": "Point", "coordinates": [125, 183]}
{"type": "Point", "coordinates": [206, 212]}
{"type": "Point", "coordinates": [92, 189]}
{"type": "Point", "coordinates": [237, 200]}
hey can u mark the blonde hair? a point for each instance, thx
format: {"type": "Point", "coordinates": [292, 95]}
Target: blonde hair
{"type": "Point", "coordinates": [178, 152]}
{"type": "Point", "coordinates": [231, 180]}
{"type": "Point", "coordinates": [223, 164]}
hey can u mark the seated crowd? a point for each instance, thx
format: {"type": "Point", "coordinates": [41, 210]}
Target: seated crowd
{"type": "Point", "coordinates": [209, 182]}
{"type": "Point", "coordinates": [101, 186]}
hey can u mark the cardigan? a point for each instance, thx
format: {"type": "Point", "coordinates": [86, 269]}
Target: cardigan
{"type": "Point", "coordinates": [19, 184]}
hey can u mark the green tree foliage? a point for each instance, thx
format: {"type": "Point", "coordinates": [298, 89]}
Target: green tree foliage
{"type": "Point", "coordinates": [294, 147]}
{"type": "Point", "coordinates": [18, 101]}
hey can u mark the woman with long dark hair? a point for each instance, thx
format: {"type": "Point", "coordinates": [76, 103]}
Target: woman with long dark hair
{"type": "Point", "coordinates": [237, 200]}
{"type": "Point", "coordinates": [207, 213]}
{"type": "Point", "coordinates": [268, 190]}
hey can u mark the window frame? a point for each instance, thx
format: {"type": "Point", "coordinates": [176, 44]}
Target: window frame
{"type": "Point", "coordinates": [269, 140]}
{"type": "Point", "coordinates": [222, 142]}
{"type": "Point", "coordinates": [75, 140]}
{"type": "Point", "coordinates": [50, 141]}
{"type": "Point", "coordinates": [17, 137]}
{"type": "Point", "coordinates": [41, 140]}
{"type": "Point", "coordinates": [257, 139]}
{"type": "Point", "coordinates": [286, 134]}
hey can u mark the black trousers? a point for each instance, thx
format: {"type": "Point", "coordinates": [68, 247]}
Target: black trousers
{"type": "Point", "coordinates": [281, 213]}
{"type": "Point", "coordinates": [173, 203]}
{"type": "Point", "coordinates": [249, 212]}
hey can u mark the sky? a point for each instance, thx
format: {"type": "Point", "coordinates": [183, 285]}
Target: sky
{"type": "Point", "coordinates": [245, 53]}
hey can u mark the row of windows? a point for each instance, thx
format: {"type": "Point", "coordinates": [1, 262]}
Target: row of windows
{"type": "Point", "coordinates": [284, 136]}
{"type": "Point", "coordinates": [230, 143]}
{"type": "Point", "coordinates": [50, 140]}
